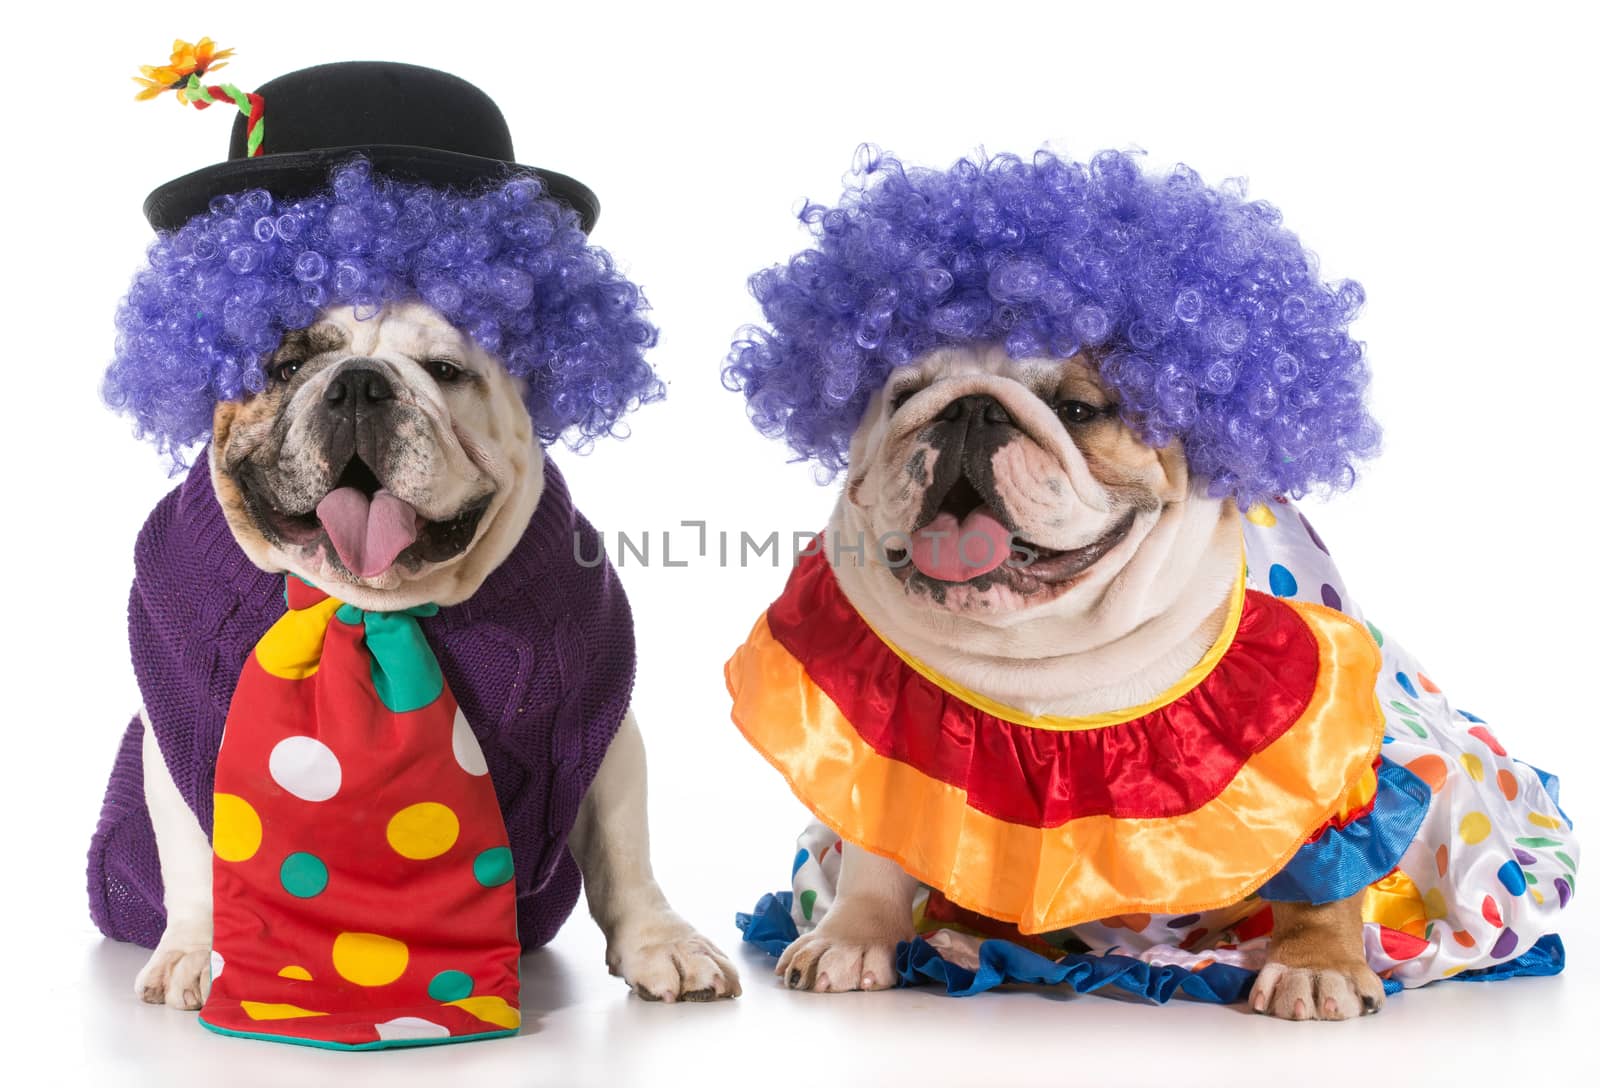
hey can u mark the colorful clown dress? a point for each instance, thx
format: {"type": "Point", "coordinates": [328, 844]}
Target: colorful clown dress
{"type": "Point", "coordinates": [362, 875]}
{"type": "Point", "coordinates": [1142, 849]}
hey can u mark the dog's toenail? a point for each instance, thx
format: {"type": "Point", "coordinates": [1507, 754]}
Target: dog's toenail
{"type": "Point", "coordinates": [868, 982]}
{"type": "Point", "coordinates": [1259, 1001]}
{"type": "Point", "coordinates": [1369, 1004]}
{"type": "Point", "coordinates": [1299, 1009]}
{"type": "Point", "coordinates": [822, 982]}
{"type": "Point", "coordinates": [1330, 1007]}
{"type": "Point", "coordinates": [794, 980]}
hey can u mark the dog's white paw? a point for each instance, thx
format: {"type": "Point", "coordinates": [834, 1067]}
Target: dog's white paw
{"type": "Point", "coordinates": [177, 975]}
{"type": "Point", "coordinates": [1310, 993]}
{"type": "Point", "coordinates": [664, 959]}
{"type": "Point", "coordinates": [831, 962]}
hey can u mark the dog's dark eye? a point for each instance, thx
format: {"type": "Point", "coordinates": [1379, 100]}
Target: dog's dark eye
{"type": "Point", "coordinates": [284, 371]}
{"type": "Point", "coordinates": [442, 370]}
{"type": "Point", "coordinates": [1076, 411]}
{"type": "Point", "coordinates": [898, 401]}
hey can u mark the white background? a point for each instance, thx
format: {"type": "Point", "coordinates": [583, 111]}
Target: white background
{"type": "Point", "coordinates": [1444, 156]}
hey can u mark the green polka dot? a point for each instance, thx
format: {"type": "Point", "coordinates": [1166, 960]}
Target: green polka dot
{"type": "Point", "coordinates": [1537, 841]}
{"type": "Point", "coordinates": [808, 902]}
{"type": "Point", "coordinates": [303, 875]}
{"type": "Point", "coordinates": [1377, 635]}
{"type": "Point", "coordinates": [450, 986]}
{"type": "Point", "coordinates": [492, 867]}
{"type": "Point", "coordinates": [1404, 708]}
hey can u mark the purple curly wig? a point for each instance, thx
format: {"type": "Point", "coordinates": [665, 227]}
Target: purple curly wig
{"type": "Point", "coordinates": [1207, 317]}
{"type": "Point", "coordinates": [509, 266]}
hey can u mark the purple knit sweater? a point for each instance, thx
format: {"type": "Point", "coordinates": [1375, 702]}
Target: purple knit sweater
{"type": "Point", "coordinates": [540, 660]}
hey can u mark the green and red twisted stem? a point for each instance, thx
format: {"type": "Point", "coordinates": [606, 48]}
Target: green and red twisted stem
{"type": "Point", "coordinates": [200, 96]}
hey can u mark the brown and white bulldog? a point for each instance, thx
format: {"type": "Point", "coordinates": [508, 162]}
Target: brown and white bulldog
{"type": "Point", "coordinates": [392, 460]}
{"type": "Point", "coordinates": [1024, 543]}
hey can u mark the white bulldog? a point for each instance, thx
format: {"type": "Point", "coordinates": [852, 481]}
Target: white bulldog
{"type": "Point", "coordinates": [392, 461]}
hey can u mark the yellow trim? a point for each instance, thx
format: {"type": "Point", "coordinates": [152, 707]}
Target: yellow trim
{"type": "Point", "coordinates": [1043, 879]}
{"type": "Point", "coordinates": [1058, 723]}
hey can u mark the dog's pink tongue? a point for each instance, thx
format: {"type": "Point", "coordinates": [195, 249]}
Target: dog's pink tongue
{"type": "Point", "coordinates": [959, 551]}
{"type": "Point", "coordinates": [367, 534]}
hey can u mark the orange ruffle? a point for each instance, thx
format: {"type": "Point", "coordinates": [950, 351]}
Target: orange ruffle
{"type": "Point", "coordinates": [1044, 879]}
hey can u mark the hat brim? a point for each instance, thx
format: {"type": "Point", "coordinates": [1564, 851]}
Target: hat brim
{"type": "Point", "coordinates": [300, 173]}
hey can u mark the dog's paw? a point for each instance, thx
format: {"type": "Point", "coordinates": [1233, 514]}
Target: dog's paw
{"type": "Point", "coordinates": [177, 975]}
{"type": "Point", "coordinates": [664, 959]}
{"type": "Point", "coordinates": [835, 963]}
{"type": "Point", "coordinates": [1310, 993]}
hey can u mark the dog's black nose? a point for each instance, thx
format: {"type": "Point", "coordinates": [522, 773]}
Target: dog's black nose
{"type": "Point", "coordinates": [355, 387]}
{"type": "Point", "coordinates": [976, 408]}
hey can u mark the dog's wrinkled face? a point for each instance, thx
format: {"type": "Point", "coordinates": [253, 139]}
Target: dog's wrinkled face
{"type": "Point", "coordinates": [389, 460]}
{"type": "Point", "coordinates": [989, 485]}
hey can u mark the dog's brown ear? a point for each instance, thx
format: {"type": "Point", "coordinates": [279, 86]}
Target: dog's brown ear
{"type": "Point", "coordinates": [852, 488]}
{"type": "Point", "coordinates": [222, 423]}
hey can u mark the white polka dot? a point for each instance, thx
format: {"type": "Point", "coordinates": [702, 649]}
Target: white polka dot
{"type": "Point", "coordinates": [465, 746]}
{"type": "Point", "coordinates": [306, 768]}
{"type": "Point", "coordinates": [216, 965]}
{"type": "Point", "coordinates": [411, 1027]}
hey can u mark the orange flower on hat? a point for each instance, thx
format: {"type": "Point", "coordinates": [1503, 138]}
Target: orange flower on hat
{"type": "Point", "coordinates": [187, 60]}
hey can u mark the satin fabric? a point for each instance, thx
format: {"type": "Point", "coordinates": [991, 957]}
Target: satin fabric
{"type": "Point", "coordinates": [1044, 878]}
{"type": "Point", "coordinates": [1349, 855]}
{"type": "Point", "coordinates": [1170, 760]}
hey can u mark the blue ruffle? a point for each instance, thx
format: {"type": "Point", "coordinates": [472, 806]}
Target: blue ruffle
{"type": "Point", "coordinates": [1344, 860]}
{"type": "Point", "coordinates": [1001, 962]}
{"type": "Point", "coordinates": [771, 928]}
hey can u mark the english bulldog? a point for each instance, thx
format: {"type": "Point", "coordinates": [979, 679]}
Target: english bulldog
{"type": "Point", "coordinates": [1025, 544]}
{"type": "Point", "coordinates": [392, 461]}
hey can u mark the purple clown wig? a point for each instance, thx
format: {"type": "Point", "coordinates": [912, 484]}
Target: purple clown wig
{"type": "Point", "coordinates": [509, 266]}
{"type": "Point", "coordinates": [1206, 316]}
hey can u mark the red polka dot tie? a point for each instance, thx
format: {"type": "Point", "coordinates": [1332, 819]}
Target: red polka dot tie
{"type": "Point", "coordinates": [361, 875]}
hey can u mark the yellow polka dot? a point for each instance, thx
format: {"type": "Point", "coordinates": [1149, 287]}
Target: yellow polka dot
{"type": "Point", "coordinates": [1260, 515]}
{"type": "Point", "coordinates": [368, 959]}
{"type": "Point", "coordinates": [1474, 766]}
{"type": "Point", "coordinates": [1456, 970]}
{"type": "Point", "coordinates": [491, 1008]}
{"type": "Point", "coordinates": [1537, 898]}
{"type": "Point", "coordinates": [1433, 904]}
{"type": "Point", "coordinates": [267, 1010]}
{"type": "Point", "coordinates": [235, 828]}
{"type": "Point", "coordinates": [423, 831]}
{"type": "Point", "coordinates": [1474, 828]}
{"type": "Point", "coordinates": [292, 648]}
{"type": "Point", "coordinates": [1539, 819]}
{"type": "Point", "coordinates": [1396, 903]}
{"type": "Point", "coordinates": [294, 970]}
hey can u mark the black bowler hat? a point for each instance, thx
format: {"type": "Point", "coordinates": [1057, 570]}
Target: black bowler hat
{"type": "Point", "coordinates": [414, 123]}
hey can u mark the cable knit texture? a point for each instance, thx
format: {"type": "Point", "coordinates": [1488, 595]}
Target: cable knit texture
{"type": "Point", "coordinates": [540, 659]}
